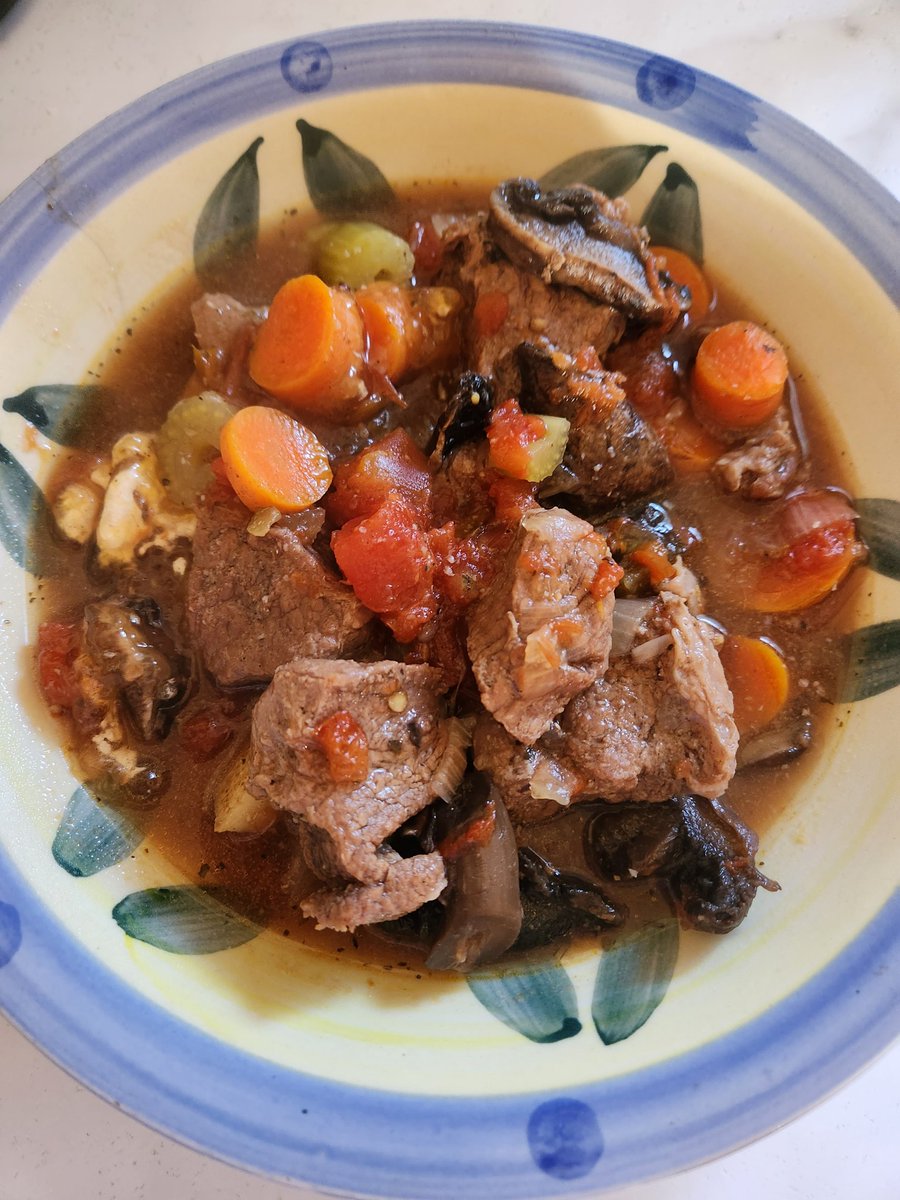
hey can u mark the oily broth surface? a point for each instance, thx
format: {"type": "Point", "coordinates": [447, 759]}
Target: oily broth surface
{"type": "Point", "coordinates": [148, 365]}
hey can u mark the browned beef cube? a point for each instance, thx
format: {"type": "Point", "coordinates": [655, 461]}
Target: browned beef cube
{"type": "Point", "coordinates": [254, 603]}
{"type": "Point", "coordinates": [538, 636]}
{"type": "Point", "coordinates": [344, 826]}
{"type": "Point", "coordinates": [658, 724]}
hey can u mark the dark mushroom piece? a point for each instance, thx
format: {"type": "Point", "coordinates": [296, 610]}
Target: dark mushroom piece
{"type": "Point", "coordinates": [699, 849]}
{"type": "Point", "coordinates": [483, 907]}
{"type": "Point", "coordinates": [575, 236]}
{"type": "Point", "coordinates": [465, 418]}
{"type": "Point", "coordinates": [556, 905]}
{"type": "Point", "coordinates": [126, 640]}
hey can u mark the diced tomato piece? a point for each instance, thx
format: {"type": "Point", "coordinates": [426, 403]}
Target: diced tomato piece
{"type": "Point", "coordinates": [465, 566]}
{"type": "Point", "coordinates": [205, 733]}
{"type": "Point", "coordinates": [387, 561]}
{"type": "Point", "coordinates": [609, 576]}
{"type": "Point", "coordinates": [427, 247]}
{"type": "Point", "coordinates": [510, 433]}
{"type": "Point", "coordinates": [57, 646]}
{"type": "Point", "coordinates": [490, 313]}
{"type": "Point", "coordinates": [392, 464]}
{"type": "Point", "coordinates": [476, 832]}
{"type": "Point", "coordinates": [346, 747]}
{"type": "Point", "coordinates": [512, 498]}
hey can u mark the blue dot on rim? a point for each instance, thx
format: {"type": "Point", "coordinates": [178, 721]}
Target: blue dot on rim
{"type": "Point", "coordinates": [564, 1138]}
{"type": "Point", "coordinates": [665, 83]}
{"type": "Point", "coordinates": [306, 66]}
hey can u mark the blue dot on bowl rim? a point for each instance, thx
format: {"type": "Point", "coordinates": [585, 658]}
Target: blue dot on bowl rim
{"type": "Point", "coordinates": [564, 1138]}
{"type": "Point", "coordinates": [665, 83]}
{"type": "Point", "coordinates": [10, 932]}
{"type": "Point", "coordinates": [306, 66]}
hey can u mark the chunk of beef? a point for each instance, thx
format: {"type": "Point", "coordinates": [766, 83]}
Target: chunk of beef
{"type": "Point", "coordinates": [224, 330]}
{"type": "Point", "coordinates": [253, 603]}
{"type": "Point", "coordinates": [612, 453]}
{"type": "Point", "coordinates": [763, 466]}
{"type": "Point", "coordinates": [512, 768]}
{"type": "Point", "coordinates": [660, 722]}
{"type": "Point", "coordinates": [577, 236]}
{"type": "Point", "coordinates": [533, 308]}
{"type": "Point", "coordinates": [407, 885]}
{"type": "Point", "coordinates": [538, 636]}
{"type": "Point", "coordinates": [344, 827]}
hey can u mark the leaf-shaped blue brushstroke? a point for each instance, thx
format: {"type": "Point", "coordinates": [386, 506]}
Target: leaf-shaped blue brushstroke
{"type": "Point", "coordinates": [54, 408]}
{"type": "Point", "coordinates": [183, 920]}
{"type": "Point", "coordinates": [632, 978]}
{"type": "Point", "coordinates": [873, 661]}
{"type": "Point", "coordinates": [92, 836]}
{"type": "Point", "coordinates": [879, 524]}
{"type": "Point", "coordinates": [341, 181]}
{"type": "Point", "coordinates": [673, 214]}
{"type": "Point", "coordinates": [229, 223]}
{"type": "Point", "coordinates": [538, 1002]}
{"type": "Point", "coordinates": [21, 502]}
{"type": "Point", "coordinates": [612, 169]}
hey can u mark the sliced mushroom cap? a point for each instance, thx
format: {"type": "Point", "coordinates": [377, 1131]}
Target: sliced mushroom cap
{"type": "Point", "coordinates": [127, 641]}
{"type": "Point", "coordinates": [573, 236]}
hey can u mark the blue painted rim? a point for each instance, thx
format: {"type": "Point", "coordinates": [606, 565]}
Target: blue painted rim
{"type": "Point", "coordinates": [370, 1142]}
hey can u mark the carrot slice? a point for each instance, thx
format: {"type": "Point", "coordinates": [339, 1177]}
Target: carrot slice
{"type": "Point", "coordinates": [739, 375]}
{"type": "Point", "coordinates": [759, 680]}
{"type": "Point", "coordinates": [271, 460]}
{"type": "Point", "coordinates": [409, 329]}
{"type": "Point", "coordinates": [309, 351]}
{"type": "Point", "coordinates": [807, 571]}
{"type": "Point", "coordinates": [692, 449]}
{"type": "Point", "coordinates": [687, 274]}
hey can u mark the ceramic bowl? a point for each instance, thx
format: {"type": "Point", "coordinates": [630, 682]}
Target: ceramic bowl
{"type": "Point", "coordinates": [575, 1076]}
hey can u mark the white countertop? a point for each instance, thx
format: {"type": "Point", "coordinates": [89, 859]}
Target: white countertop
{"type": "Point", "coordinates": [64, 65]}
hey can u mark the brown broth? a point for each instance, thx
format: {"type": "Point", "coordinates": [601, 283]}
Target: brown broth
{"type": "Point", "coordinates": [148, 365]}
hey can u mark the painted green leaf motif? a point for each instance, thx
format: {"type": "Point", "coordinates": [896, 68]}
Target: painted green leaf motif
{"type": "Point", "coordinates": [54, 408]}
{"type": "Point", "coordinates": [879, 524]}
{"type": "Point", "coordinates": [229, 223]}
{"type": "Point", "coordinates": [340, 180]}
{"type": "Point", "coordinates": [612, 169]}
{"type": "Point", "coordinates": [538, 1003]}
{"type": "Point", "coordinates": [183, 920]}
{"type": "Point", "coordinates": [673, 214]}
{"type": "Point", "coordinates": [873, 662]}
{"type": "Point", "coordinates": [92, 836]}
{"type": "Point", "coordinates": [21, 502]}
{"type": "Point", "coordinates": [632, 979]}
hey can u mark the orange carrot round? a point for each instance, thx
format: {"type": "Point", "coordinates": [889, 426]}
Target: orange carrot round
{"type": "Point", "coordinates": [309, 351]}
{"type": "Point", "coordinates": [692, 449]}
{"type": "Point", "coordinates": [271, 460]}
{"type": "Point", "coordinates": [388, 320]}
{"type": "Point", "coordinates": [807, 571]}
{"type": "Point", "coordinates": [758, 678]}
{"type": "Point", "coordinates": [739, 375]}
{"type": "Point", "coordinates": [687, 274]}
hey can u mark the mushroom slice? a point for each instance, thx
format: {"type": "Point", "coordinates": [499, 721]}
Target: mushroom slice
{"type": "Point", "coordinates": [576, 236]}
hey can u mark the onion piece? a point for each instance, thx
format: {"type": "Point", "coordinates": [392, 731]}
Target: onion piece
{"type": "Point", "coordinates": [551, 781]}
{"type": "Point", "coordinates": [627, 618]}
{"type": "Point", "coordinates": [776, 746]}
{"type": "Point", "coordinates": [805, 512]}
{"type": "Point", "coordinates": [448, 774]}
{"type": "Point", "coordinates": [263, 520]}
{"type": "Point", "coordinates": [652, 649]}
{"type": "Point", "coordinates": [484, 908]}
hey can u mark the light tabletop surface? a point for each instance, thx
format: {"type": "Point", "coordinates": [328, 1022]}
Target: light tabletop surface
{"type": "Point", "coordinates": [833, 64]}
